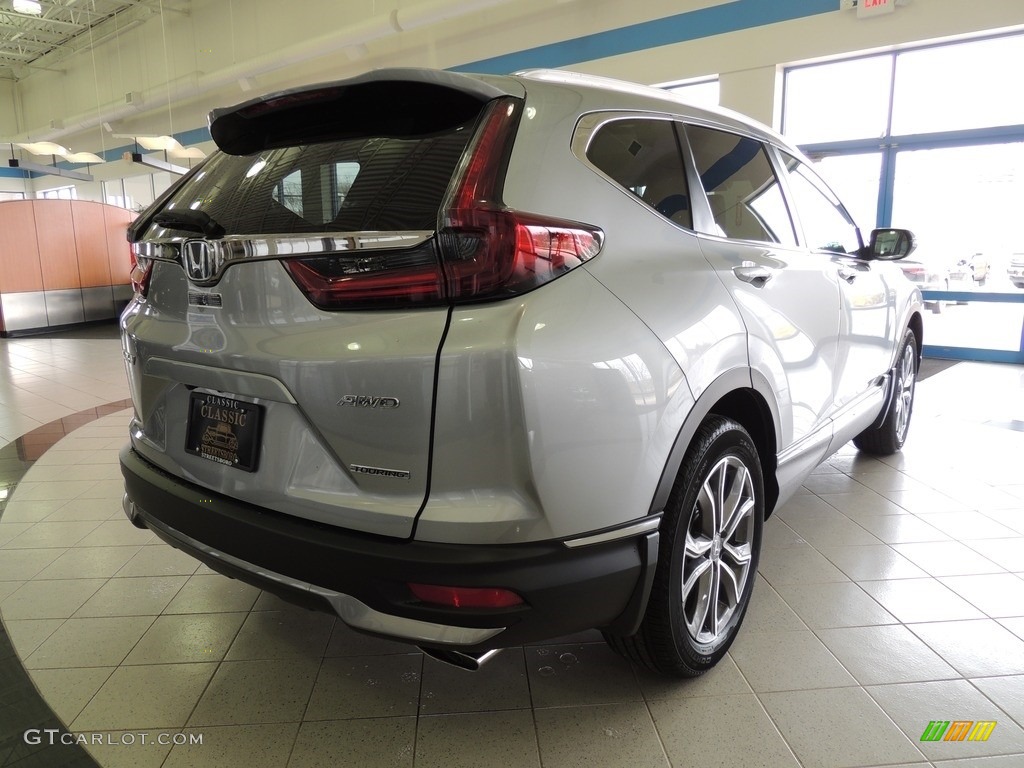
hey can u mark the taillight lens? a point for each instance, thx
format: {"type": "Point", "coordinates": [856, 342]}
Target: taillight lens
{"type": "Point", "coordinates": [491, 253]}
{"type": "Point", "coordinates": [466, 597]}
{"type": "Point", "coordinates": [371, 279]}
{"type": "Point", "coordinates": [142, 270]}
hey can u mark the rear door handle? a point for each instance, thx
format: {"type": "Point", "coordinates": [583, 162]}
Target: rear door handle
{"type": "Point", "coordinates": [755, 275]}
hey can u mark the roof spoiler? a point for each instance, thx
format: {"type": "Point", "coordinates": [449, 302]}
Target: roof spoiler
{"type": "Point", "coordinates": [395, 102]}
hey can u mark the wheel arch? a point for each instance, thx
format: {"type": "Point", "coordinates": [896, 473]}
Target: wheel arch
{"type": "Point", "coordinates": [916, 324]}
{"type": "Point", "coordinates": [746, 397]}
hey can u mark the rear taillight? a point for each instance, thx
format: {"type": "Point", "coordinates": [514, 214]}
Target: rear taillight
{"type": "Point", "coordinates": [371, 279]}
{"type": "Point", "coordinates": [490, 251]}
{"type": "Point", "coordinates": [484, 250]}
{"type": "Point", "coordinates": [142, 270]}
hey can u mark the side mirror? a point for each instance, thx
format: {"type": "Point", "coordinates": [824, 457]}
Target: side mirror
{"type": "Point", "coordinates": [891, 244]}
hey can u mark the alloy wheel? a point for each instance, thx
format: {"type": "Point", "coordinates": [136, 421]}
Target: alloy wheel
{"type": "Point", "coordinates": [717, 554]}
{"type": "Point", "coordinates": [905, 392]}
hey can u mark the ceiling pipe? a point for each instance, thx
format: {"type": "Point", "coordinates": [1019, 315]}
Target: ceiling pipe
{"type": "Point", "coordinates": [369, 30]}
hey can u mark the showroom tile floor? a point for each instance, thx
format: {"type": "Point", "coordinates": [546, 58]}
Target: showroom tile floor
{"type": "Point", "coordinates": [890, 594]}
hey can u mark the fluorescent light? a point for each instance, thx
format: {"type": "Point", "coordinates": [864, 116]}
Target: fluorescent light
{"type": "Point", "coordinates": [28, 6]}
{"type": "Point", "coordinates": [149, 162]}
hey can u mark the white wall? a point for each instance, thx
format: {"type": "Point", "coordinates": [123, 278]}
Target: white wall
{"type": "Point", "coordinates": [10, 184]}
{"type": "Point", "coordinates": [238, 36]}
{"type": "Point", "coordinates": [740, 55]}
{"type": "Point", "coordinates": [8, 109]}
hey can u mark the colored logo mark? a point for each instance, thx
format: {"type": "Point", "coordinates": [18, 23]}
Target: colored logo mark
{"type": "Point", "coordinates": [958, 730]}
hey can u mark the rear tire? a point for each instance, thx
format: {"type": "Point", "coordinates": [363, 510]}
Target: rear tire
{"type": "Point", "coordinates": [710, 546]}
{"type": "Point", "coordinates": [889, 437]}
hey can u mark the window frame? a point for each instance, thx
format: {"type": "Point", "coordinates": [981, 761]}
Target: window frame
{"type": "Point", "coordinates": [590, 123]}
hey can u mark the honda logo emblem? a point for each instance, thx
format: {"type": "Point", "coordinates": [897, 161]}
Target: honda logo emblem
{"type": "Point", "coordinates": [202, 263]}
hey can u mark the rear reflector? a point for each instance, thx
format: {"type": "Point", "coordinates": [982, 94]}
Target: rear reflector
{"type": "Point", "coordinates": [466, 597]}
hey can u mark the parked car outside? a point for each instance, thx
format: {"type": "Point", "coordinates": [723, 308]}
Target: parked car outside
{"type": "Point", "coordinates": [1016, 270]}
{"type": "Point", "coordinates": [504, 358]}
{"type": "Point", "coordinates": [932, 271]}
{"type": "Point", "coordinates": [979, 266]}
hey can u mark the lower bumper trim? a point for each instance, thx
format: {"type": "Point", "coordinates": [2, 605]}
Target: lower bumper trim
{"type": "Point", "coordinates": [350, 610]}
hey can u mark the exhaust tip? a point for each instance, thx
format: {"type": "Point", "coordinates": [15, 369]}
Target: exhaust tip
{"type": "Point", "coordinates": [132, 512]}
{"type": "Point", "coordinates": [468, 661]}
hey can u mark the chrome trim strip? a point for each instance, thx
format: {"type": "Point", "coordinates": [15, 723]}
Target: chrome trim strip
{"type": "Point", "coordinates": [350, 610]}
{"type": "Point", "coordinates": [228, 250]}
{"type": "Point", "coordinates": [646, 525]}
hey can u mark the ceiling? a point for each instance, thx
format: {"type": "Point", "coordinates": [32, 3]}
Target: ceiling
{"type": "Point", "coordinates": [65, 26]}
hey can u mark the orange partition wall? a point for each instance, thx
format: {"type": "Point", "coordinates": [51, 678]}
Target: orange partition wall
{"type": "Point", "coordinates": [19, 249]}
{"type": "Point", "coordinates": [61, 262]}
{"type": "Point", "coordinates": [119, 256]}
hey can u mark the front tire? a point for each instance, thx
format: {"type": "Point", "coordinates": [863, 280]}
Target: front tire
{"type": "Point", "coordinates": [710, 546]}
{"type": "Point", "coordinates": [889, 437]}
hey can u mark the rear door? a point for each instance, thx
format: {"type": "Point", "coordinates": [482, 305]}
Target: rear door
{"type": "Point", "coordinates": [789, 299]}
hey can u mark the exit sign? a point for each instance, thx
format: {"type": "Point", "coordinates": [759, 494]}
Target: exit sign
{"type": "Point", "coordinates": [866, 8]}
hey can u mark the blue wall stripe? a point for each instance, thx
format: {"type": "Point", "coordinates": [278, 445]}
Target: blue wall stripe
{"type": "Point", "coordinates": [691, 25]}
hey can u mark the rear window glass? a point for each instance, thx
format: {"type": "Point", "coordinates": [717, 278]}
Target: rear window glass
{"type": "Point", "coordinates": [366, 184]}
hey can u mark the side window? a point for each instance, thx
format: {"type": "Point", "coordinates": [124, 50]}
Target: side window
{"type": "Point", "coordinates": [827, 227]}
{"type": "Point", "coordinates": [642, 155]}
{"type": "Point", "coordinates": [741, 186]}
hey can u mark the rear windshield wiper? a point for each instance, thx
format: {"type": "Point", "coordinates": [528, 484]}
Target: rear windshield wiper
{"type": "Point", "coordinates": [190, 221]}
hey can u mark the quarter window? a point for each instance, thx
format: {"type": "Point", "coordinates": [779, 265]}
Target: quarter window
{"type": "Point", "coordinates": [826, 225]}
{"type": "Point", "coordinates": [742, 189]}
{"type": "Point", "coordinates": [642, 155]}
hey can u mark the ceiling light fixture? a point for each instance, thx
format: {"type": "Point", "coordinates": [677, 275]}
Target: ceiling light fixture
{"type": "Point", "coordinates": [190, 153]}
{"type": "Point", "coordinates": [28, 6]}
{"type": "Point", "coordinates": [83, 157]}
{"type": "Point", "coordinates": [152, 143]}
{"type": "Point", "coordinates": [43, 148]}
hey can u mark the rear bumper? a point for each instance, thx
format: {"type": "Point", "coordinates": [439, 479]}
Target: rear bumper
{"type": "Point", "coordinates": [362, 578]}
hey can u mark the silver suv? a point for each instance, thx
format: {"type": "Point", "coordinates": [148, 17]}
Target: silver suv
{"type": "Point", "coordinates": [472, 361]}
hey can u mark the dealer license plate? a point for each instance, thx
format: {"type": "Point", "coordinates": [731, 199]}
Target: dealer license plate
{"type": "Point", "coordinates": [224, 430]}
